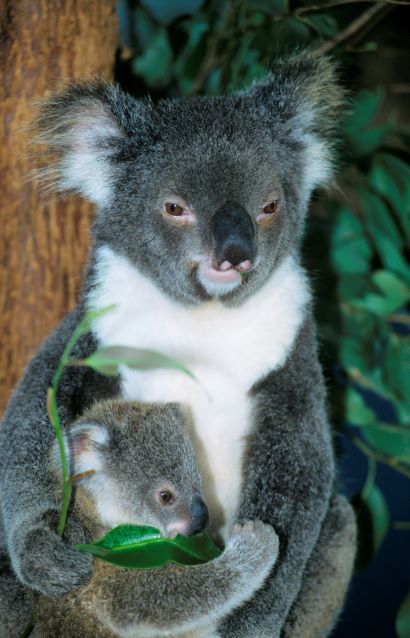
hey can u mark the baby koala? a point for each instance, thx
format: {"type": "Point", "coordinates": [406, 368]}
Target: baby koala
{"type": "Point", "coordinates": [145, 473]}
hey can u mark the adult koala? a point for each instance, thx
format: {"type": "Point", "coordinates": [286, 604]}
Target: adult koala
{"type": "Point", "coordinates": [201, 207]}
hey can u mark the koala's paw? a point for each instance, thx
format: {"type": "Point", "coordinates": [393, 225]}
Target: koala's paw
{"type": "Point", "coordinates": [48, 564]}
{"type": "Point", "coordinates": [256, 543]}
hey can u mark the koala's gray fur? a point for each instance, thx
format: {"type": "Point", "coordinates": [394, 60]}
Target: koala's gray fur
{"type": "Point", "coordinates": [270, 143]}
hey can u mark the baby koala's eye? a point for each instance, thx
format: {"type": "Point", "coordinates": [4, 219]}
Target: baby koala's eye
{"type": "Point", "coordinates": [271, 207]}
{"type": "Point", "coordinates": [174, 209]}
{"type": "Point", "coordinates": [166, 497]}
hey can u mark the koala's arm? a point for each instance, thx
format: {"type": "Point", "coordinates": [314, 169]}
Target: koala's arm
{"type": "Point", "coordinates": [30, 510]}
{"type": "Point", "coordinates": [182, 599]}
{"type": "Point", "coordinates": [287, 481]}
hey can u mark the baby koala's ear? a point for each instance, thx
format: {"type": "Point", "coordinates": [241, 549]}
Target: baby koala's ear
{"type": "Point", "coordinates": [83, 444]}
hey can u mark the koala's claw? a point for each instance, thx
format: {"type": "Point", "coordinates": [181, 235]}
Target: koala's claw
{"type": "Point", "coordinates": [46, 563]}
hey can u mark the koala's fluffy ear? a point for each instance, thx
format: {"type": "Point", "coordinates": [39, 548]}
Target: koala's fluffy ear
{"type": "Point", "coordinates": [86, 131]}
{"type": "Point", "coordinates": [83, 443]}
{"type": "Point", "coordinates": [301, 99]}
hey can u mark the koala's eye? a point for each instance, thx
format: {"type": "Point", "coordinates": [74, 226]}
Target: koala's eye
{"type": "Point", "coordinates": [166, 497]}
{"type": "Point", "coordinates": [174, 209]}
{"type": "Point", "coordinates": [271, 207]}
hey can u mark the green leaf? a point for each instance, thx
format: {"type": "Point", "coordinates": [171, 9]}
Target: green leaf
{"type": "Point", "coordinates": [188, 63]}
{"type": "Point", "coordinates": [357, 411]}
{"type": "Point", "coordinates": [92, 315]}
{"type": "Point", "coordinates": [166, 12]}
{"type": "Point", "coordinates": [379, 220]}
{"type": "Point", "coordinates": [107, 360]}
{"type": "Point", "coordinates": [361, 139]}
{"type": "Point", "coordinates": [372, 518]}
{"type": "Point", "coordinates": [323, 23]}
{"type": "Point", "coordinates": [403, 618]}
{"type": "Point", "coordinates": [154, 64]}
{"type": "Point", "coordinates": [125, 535]}
{"type": "Point", "coordinates": [351, 251]}
{"type": "Point", "coordinates": [391, 286]}
{"type": "Point", "coordinates": [390, 255]}
{"type": "Point", "coordinates": [377, 505]}
{"type": "Point", "coordinates": [395, 294]}
{"type": "Point", "coordinates": [365, 107]}
{"type": "Point", "coordinates": [270, 7]}
{"type": "Point", "coordinates": [386, 237]}
{"type": "Point", "coordinates": [238, 61]}
{"type": "Point", "coordinates": [397, 366]}
{"type": "Point", "coordinates": [392, 441]}
{"type": "Point", "coordinates": [354, 355]}
{"type": "Point", "coordinates": [139, 547]}
{"type": "Point", "coordinates": [391, 177]}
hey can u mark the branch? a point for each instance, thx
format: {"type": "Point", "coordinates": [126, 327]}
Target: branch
{"type": "Point", "coordinates": [380, 458]}
{"type": "Point", "coordinates": [337, 3]}
{"type": "Point", "coordinates": [376, 12]}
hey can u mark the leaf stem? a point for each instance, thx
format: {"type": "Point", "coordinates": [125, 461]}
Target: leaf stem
{"type": "Point", "coordinates": [55, 422]}
{"type": "Point", "coordinates": [380, 458]}
{"type": "Point", "coordinates": [370, 478]}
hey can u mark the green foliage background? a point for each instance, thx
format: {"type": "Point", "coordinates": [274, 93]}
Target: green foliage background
{"type": "Point", "coordinates": [359, 233]}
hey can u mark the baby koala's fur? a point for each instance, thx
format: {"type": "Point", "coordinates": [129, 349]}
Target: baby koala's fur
{"type": "Point", "coordinates": [125, 442]}
{"type": "Point", "coordinates": [138, 451]}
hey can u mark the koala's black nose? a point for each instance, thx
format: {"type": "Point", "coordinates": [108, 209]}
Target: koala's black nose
{"type": "Point", "coordinates": [233, 235]}
{"type": "Point", "coordinates": [200, 515]}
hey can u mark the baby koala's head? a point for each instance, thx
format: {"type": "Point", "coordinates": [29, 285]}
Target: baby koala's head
{"type": "Point", "coordinates": [145, 470]}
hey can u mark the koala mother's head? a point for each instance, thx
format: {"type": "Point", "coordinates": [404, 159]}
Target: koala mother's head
{"type": "Point", "coordinates": [204, 195]}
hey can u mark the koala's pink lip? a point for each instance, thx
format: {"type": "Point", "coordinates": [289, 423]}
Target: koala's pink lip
{"type": "Point", "coordinates": [219, 276]}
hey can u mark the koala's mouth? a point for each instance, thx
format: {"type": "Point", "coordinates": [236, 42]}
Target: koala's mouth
{"type": "Point", "coordinates": [218, 275]}
{"type": "Point", "coordinates": [217, 281]}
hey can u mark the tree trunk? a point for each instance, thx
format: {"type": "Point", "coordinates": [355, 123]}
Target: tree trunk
{"type": "Point", "coordinates": [43, 241]}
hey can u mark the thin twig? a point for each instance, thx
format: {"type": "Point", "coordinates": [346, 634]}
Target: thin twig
{"type": "Point", "coordinates": [375, 12]}
{"type": "Point", "coordinates": [402, 525]}
{"type": "Point", "coordinates": [336, 3]}
{"type": "Point", "coordinates": [380, 458]}
{"type": "Point", "coordinates": [405, 319]}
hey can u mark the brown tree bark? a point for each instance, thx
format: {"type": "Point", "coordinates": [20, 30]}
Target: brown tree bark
{"type": "Point", "coordinates": [43, 241]}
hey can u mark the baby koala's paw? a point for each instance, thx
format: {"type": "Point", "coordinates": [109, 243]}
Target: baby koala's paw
{"type": "Point", "coordinates": [255, 542]}
{"type": "Point", "coordinates": [48, 564]}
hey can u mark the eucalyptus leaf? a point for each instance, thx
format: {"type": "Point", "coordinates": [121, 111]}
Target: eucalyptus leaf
{"type": "Point", "coordinates": [365, 107]}
{"type": "Point", "coordinates": [270, 7]}
{"type": "Point", "coordinates": [154, 64]}
{"type": "Point", "coordinates": [140, 547]}
{"type": "Point", "coordinates": [391, 177]}
{"type": "Point", "coordinates": [357, 411]}
{"type": "Point", "coordinates": [397, 366]}
{"type": "Point", "coordinates": [403, 618]}
{"type": "Point", "coordinates": [90, 317]}
{"type": "Point", "coordinates": [362, 138]}
{"type": "Point", "coordinates": [107, 360]}
{"type": "Point", "coordinates": [377, 505]}
{"type": "Point", "coordinates": [378, 217]}
{"type": "Point", "coordinates": [165, 11]}
{"type": "Point", "coordinates": [351, 250]}
{"type": "Point", "coordinates": [373, 523]}
{"type": "Point", "coordinates": [323, 23]}
{"type": "Point", "coordinates": [393, 441]}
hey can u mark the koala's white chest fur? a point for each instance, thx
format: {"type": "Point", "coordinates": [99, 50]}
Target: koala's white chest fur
{"type": "Point", "coordinates": [227, 349]}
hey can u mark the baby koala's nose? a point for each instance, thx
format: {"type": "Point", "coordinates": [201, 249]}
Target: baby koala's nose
{"type": "Point", "coordinates": [200, 515]}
